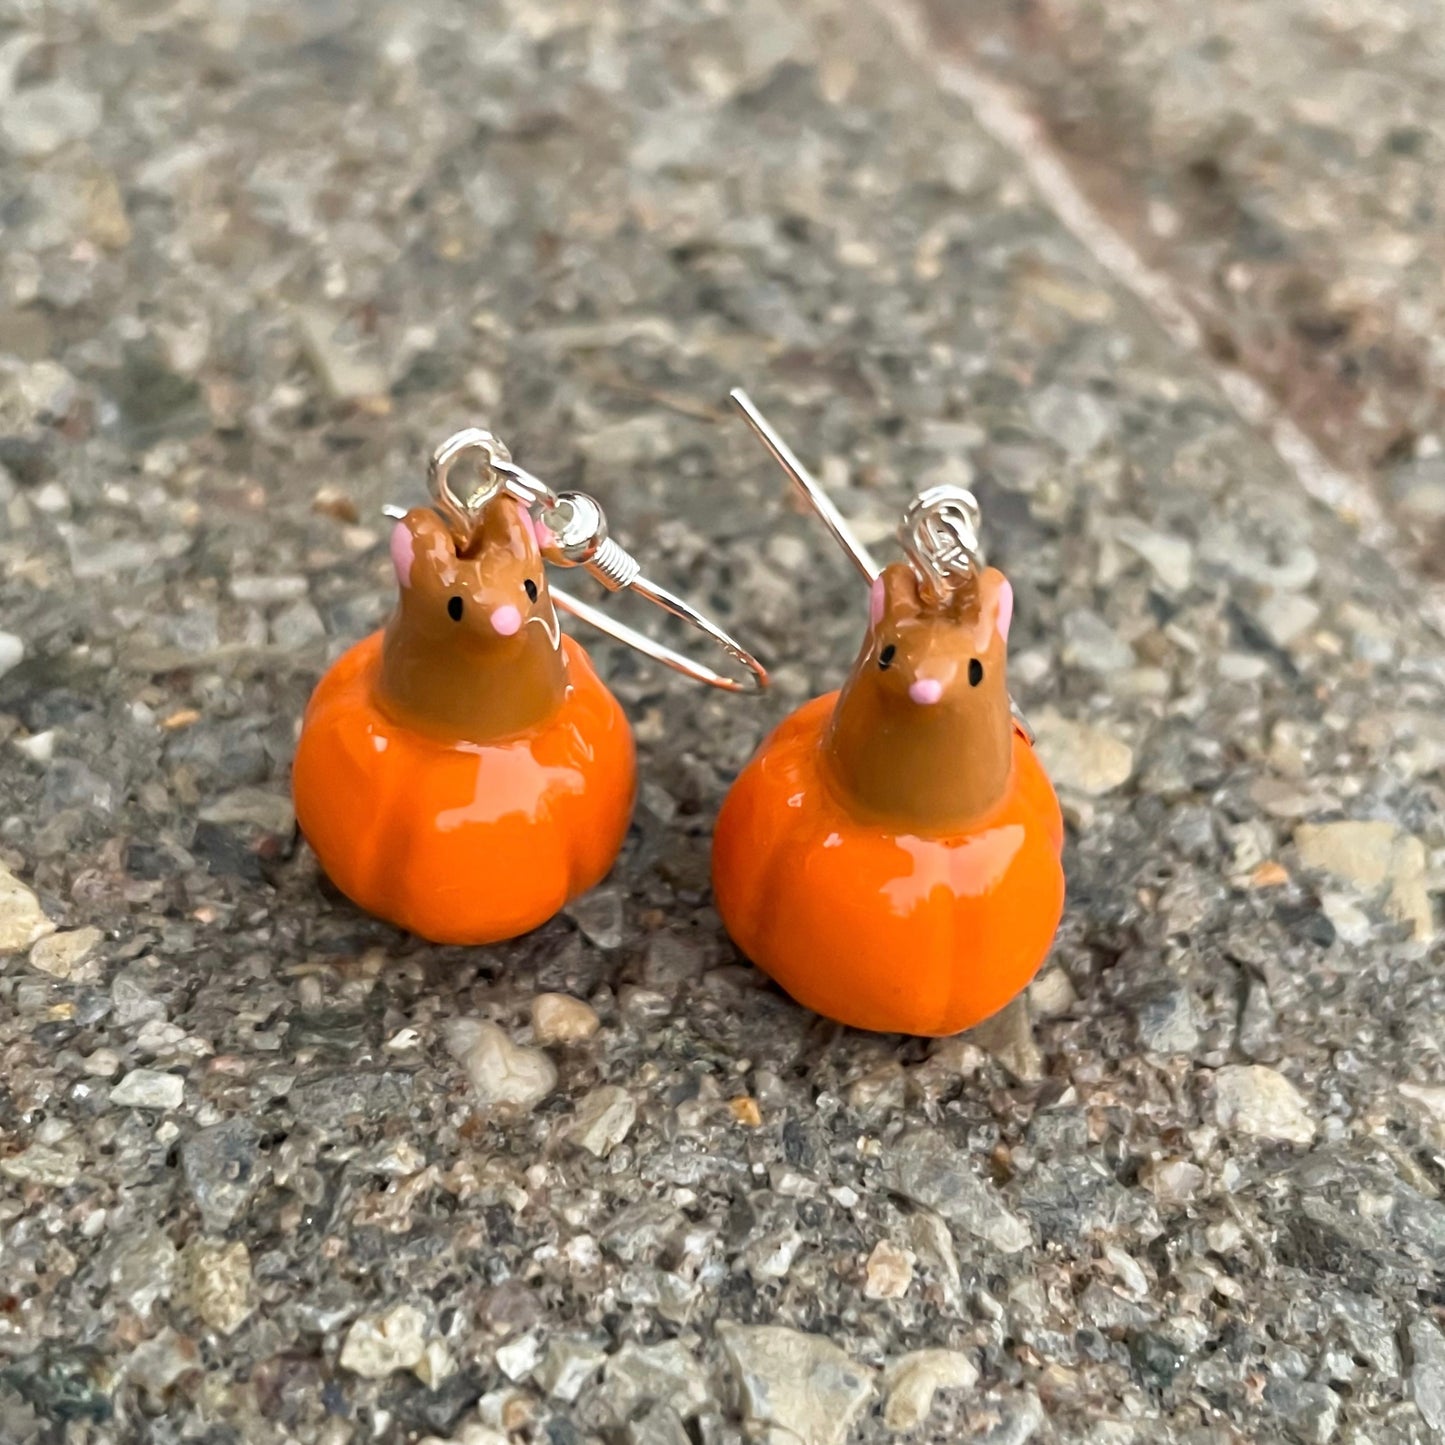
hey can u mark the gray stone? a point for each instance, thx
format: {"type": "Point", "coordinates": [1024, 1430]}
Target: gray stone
{"type": "Point", "coordinates": [39, 120]}
{"type": "Point", "coordinates": [800, 1384]}
{"type": "Point", "coordinates": [1284, 616]}
{"type": "Point", "coordinates": [1171, 558]}
{"type": "Point", "coordinates": [657, 1425]}
{"type": "Point", "coordinates": [1401, 1230]}
{"type": "Point", "coordinates": [672, 962]}
{"type": "Point", "coordinates": [219, 1284]}
{"type": "Point", "coordinates": [158, 1364]}
{"type": "Point", "coordinates": [223, 1167]}
{"type": "Point", "coordinates": [1258, 1025]}
{"type": "Point", "coordinates": [1166, 1020]}
{"type": "Point", "coordinates": [503, 1075]}
{"type": "Point", "coordinates": [1310, 1411]}
{"type": "Point", "coordinates": [599, 914]}
{"type": "Point", "coordinates": [378, 1345]}
{"type": "Point", "coordinates": [1419, 488]}
{"type": "Point", "coordinates": [1080, 757]}
{"type": "Point", "coordinates": [665, 1373]}
{"type": "Point", "coordinates": [1019, 1420]}
{"type": "Point", "coordinates": [347, 368]}
{"type": "Point", "coordinates": [297, 626]}
{"type": "Point", "coordinates": [1090, 643]}
{"type": "Point", "coordinates": [1073, 1196]}
{"type": "Point", "coordinates": [933, 1246]}
{"type": "Point", "coordinates": [265, 590]}
{"type": "Point", "coordinates": [1369, 1329]}
{"type": "Point", "coordinates": [12, 651]}
{"type": "Point", "coordinates": [1008, 1037]}
{"type": "Point", "coordinates": [1172, 1181]}
{"type": "Point", "coordinates": [1427, 1372]}
{"type": "Point", "coordinates": [603, 1120]}
{"type": "Point", "coordinates": [922, 1166]}
{"type": "Point", "coordinates": [144, 1269]}
{"type": "Point", "coordinates": [149, 1089]}
{"type": "Point", "coordinates": [68, 955]}
{"type": "Point", "coordinates": [1075, 420]}
{"type": "Point", "coordinates": [570, 1362]}
{"type": "Point", "coordinates": [53, 1166]}
{"type": "Point", "coordinates": [1261, 1102]}
{"type": "Point", "coordinates": [518, 1358]}
{"type": "Point", "coordinates": [261, 809]}
{"type": "Point", "coordinates": [22, 920]}
{"type": "Point", "coordinates": [911, 1382]}
{"type": "Point", "coordinates": [346, 1095]}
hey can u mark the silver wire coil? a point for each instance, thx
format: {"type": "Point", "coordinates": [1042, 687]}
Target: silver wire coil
{"type": "Point", "coordinates": [614, 566]}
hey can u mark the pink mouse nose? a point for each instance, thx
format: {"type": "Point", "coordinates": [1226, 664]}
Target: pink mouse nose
{"type": "Point", "coordinates": [506, 620]}
{"type": "Point", "coordinates": [925, 690]}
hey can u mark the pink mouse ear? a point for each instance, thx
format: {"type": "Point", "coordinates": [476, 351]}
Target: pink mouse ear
{"type": "Point", "coordinates": [1004, 616]}
{"type": "Point", "coordinates": [875, 602]}
{"type": "Point", "coordinates": [403, 552]}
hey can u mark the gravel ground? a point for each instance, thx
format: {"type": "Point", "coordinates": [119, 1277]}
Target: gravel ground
{"type": "Point", "coordinates": [1283, 162]}
{"type": "Point", "coordinates": [270, 1171]}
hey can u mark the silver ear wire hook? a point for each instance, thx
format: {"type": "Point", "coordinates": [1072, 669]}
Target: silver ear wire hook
{"type": "Point", "coordinates": [572, 532]}
{"type": "Point", "coordinates": [939, 531]}
{"type": "Point", "coordinates": [805, 482]}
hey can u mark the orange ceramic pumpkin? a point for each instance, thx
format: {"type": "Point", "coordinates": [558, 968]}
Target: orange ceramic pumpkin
{"type": "Point", "coordinates": [891, 854]}
{"type": "Point", "coordinates": [465, 773]}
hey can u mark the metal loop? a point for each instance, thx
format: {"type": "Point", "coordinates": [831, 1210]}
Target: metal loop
{"type": "Point", "coordinates": [572, 532]}
{"type": "Point", "coordinates": [939, 533]}
{"type": "Point", "coordinates": [464, 514]}
{"type": "Point", "coordinates": [757, 675]}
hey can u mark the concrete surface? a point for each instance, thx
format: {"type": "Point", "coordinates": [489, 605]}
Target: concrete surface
{"type": "Point", "coordinates": [270, 1171]}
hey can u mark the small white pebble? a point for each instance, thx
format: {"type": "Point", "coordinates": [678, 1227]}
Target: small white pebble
{"type": "Point", "coordinates": [38, 747]}
{"type": "Point", "coordinates": [558, 1018]}
{"type": "Point", "coordinates": [149, 1089]}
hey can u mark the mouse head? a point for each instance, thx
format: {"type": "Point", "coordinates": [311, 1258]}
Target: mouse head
{"type": "Point", "coordinates": [921, 736]}
{"type": "Point", "coordinates": [943, 658]}
{"type": "Point", "coordinates": [494, 599]}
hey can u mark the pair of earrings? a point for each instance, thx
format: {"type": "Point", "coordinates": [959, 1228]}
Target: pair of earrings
{"type": "Point", "coordinates": [890, 856]}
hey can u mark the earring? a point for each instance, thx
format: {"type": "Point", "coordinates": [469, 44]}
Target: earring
{"type": "Point", "coordinates": [464, 773]}
{"type": "Point", "coordinates": [891, 854]}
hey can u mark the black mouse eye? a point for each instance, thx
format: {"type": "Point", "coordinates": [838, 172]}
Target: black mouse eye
{"type": "Point", "coordinates": [975, 672]}
{"type": "Point", "coordinates": [454, 608]}
{"type": "Point", "coordinates": [531, 589]}
{"type": "Point", "coordinates": [885, 658]}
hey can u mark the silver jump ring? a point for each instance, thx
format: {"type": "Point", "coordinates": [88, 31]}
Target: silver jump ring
{"type": "Point", "coordinates": [573, 533]}
{"type": "Point", "coordinates": [940, 534]}
{"type": "Point", "coordinates": [463, 514]}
